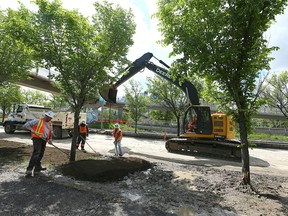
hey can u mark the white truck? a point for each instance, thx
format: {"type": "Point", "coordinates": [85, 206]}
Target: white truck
{"type": "Point", "coordinates": [63, 121]}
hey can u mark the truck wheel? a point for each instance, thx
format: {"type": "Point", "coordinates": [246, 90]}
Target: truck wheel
{"type": "Point", "coordinates": [57, 132]}
{"type": "Point", "coordinates": [9, 128]}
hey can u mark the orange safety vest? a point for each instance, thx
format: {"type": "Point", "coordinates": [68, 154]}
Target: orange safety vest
{"type": "Point", "coordinates": [117, 134]}
{"type": "Point", "coordinates": [83, 129]}
{"type": "Point", "coordinates": [39, 129]}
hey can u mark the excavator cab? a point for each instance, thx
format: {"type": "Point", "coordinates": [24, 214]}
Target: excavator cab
{"type": "Point", "coordinates": [197, 119]}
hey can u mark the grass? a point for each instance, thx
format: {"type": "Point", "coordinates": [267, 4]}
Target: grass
{"type": "Point", "coordinates": [262, 136]}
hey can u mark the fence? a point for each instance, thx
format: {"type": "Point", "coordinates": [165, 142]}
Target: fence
{"type": "Point", "coordinates": [171, 127]}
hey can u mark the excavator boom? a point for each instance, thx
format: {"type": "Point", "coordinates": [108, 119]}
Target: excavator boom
{"type": "Point", "coordinates": [110, 93]}
{"type": "Point", "coordinates": [211, 136]}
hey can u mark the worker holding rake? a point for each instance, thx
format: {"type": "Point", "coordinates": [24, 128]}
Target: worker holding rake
{"type": "Point", "coordinates": [83, 133]}
{"type": "Point", "coordinates": [117, 133]}
{"type": "Point", "coordinates": [41, 132]}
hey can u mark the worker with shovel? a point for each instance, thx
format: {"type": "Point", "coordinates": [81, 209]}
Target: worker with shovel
{"type": "Point", "coordinates": [83, 133]}
{"type": "Point", "coordinates": [41, 131]}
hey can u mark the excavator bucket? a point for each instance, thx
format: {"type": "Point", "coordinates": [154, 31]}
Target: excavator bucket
{"type": "Point", "coordinates": [109, 94]}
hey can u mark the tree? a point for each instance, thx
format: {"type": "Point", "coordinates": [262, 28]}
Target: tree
{"type": "Point", "coordinates": [168, 96]}
{"type": "Point", "coordinates": [275, 91]}
{"type": "Point", "coordinates": [9, 94]}
{"type": "Point", "coordinates": [15, 55]}
{"type": "Point", "coordinates": [57, 102]}
{"type": "Point", "coordinates": [136, 102]}
{"type": "Point", "coordinates": [34, 97]}
{"type": "Point", "coordinates": [164, 115]}
{"type": "Point", "coordinates": [224, 42]}
{"type": "Point", "coordinates": [83, 52]}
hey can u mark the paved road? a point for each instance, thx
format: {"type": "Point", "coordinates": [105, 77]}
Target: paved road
{"type": "Point", "coordinates": [269, 161]}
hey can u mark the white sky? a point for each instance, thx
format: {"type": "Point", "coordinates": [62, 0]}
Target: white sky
{"type": "Point", "coordinates": [147, 34]}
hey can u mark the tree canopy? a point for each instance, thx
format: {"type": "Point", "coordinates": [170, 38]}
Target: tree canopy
{"type": "Point", "coordinates": [84, 51]}
{"type": "Point", "coordinates": [223, 41]}
{"type": "Point", "coordinates": [136, 101]}
{"type": "Point", "coordinates": [15, 54]}
{"type": "Point", "coordinates": [169, 96]}
{"type": "Point", "coordinates": [275, 91]}
{"type": "Point", "coordinates": [9, 94]}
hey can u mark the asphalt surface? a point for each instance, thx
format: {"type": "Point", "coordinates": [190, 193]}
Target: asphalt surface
{"type": "Point", "coordinates": [259, 143]}
{"type": "Point", "coordinates": [262, 160]}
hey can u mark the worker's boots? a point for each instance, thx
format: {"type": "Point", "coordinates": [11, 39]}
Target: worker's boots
{"type": "Point", "coordinates": [39, 169]}
{"type": "Point", "coordinates": [28, 173]}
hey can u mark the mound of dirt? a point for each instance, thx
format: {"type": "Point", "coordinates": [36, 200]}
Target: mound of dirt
{"type": "Point", "coordinates": [104, 170]}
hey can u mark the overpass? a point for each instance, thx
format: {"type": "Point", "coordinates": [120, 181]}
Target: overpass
{"type": "Point", "coordinates": [38, 80]}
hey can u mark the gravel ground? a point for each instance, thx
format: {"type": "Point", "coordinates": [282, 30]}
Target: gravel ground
{"type": "Point", "coordinates": [164, 188]}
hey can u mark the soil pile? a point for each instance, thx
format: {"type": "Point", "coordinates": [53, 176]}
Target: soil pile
{"type": "Point", "coordinates": [104, 170]}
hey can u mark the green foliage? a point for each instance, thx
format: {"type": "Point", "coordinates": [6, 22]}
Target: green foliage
{"type": "Point", "coordinates": [9, 94]}
{"type": "Point", "coordinates": [136, 102]}
{"type": "Point", "coordinates": [162, 115]}
{"type": "Point", "coordinates": [224, 42]}
{"type": "Point", "coordinates": [34, 97]}
{"type": "Point", "coordinates": [264, 136]}
{"type": "Point", "coordinates": [168, 96]}
{"type": "Point", "coordinates": [57, 102]}
{"type": "Point", "coordinates": [275, 91]}
{"type": "Point", "coordinates": [82, 50]}
{"type": "Point", "coordinates": [15, 55]}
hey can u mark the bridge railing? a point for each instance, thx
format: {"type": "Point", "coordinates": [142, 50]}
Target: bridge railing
{"type": "Point", "coordinates": [44, 72]}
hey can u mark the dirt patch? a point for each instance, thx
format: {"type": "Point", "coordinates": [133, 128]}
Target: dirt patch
{"type": "Point", "coordinates": [104, 170]}
{"type": "Point", "coordinates": [139, 187]}
{"type": "Point", "coordinates": [87, 167]}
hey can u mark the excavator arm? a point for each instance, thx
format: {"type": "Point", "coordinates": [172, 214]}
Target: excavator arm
{"type": "Point", "coordinates": [110, 93]}
{"type": "Point", "coordinates": [204, 120]}
{"type": "Point", "coordinates": [204, 139]}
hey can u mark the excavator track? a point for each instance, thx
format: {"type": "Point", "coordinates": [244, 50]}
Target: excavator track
{"type": "Point", "coordinates": [214, 148]}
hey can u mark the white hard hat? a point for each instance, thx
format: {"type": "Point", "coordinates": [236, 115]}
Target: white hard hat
{"type": "Point", "coordinates": [116, 125]}
{"type": "Point", "coordinates": [50, 114]}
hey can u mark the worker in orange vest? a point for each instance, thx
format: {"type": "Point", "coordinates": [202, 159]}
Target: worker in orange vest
{"type": "Point", "coordinates": [41, 132]}
{"type": "Point", "coordinates": [117, 134]}
{"type": "Point", "coordinates": [83, 133]}
{"type": "Point", "coordinates": [193, 124]}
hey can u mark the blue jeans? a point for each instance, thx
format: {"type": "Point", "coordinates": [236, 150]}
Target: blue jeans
{"type": "Point", "coordinates": [39, 146]}
{"type": "Point", "coordinates": [118, 149]}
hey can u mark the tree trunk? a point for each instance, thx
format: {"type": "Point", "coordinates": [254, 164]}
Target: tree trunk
{"type": "Point", "coordinates": [136, 119]}
{"type": "Point", "coordinates": [178, 125]}
{"type": "Point", "coordinates": [244, 149]}
{"type": "Point", "coordinates": [75, 135]}
{"type": "Point", "coordinates": [3, 113]}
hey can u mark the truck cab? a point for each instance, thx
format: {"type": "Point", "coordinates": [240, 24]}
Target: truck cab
{"type": "Point", "coordinates": [63, 121]}
{"type": "Point", "coordinates": [21, 114]}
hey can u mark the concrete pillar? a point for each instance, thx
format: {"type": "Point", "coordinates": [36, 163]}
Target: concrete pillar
{"type": "Point", "coordinates": [102, 110]}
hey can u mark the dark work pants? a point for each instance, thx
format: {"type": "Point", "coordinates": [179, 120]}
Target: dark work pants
{"type": "Point", "coordinates": [39, 146]}
{"type": "Point", "coordinates": [80, 140]}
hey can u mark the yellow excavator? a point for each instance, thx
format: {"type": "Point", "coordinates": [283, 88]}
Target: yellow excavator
{"type": "Point", "coordinates": [204, 133]}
